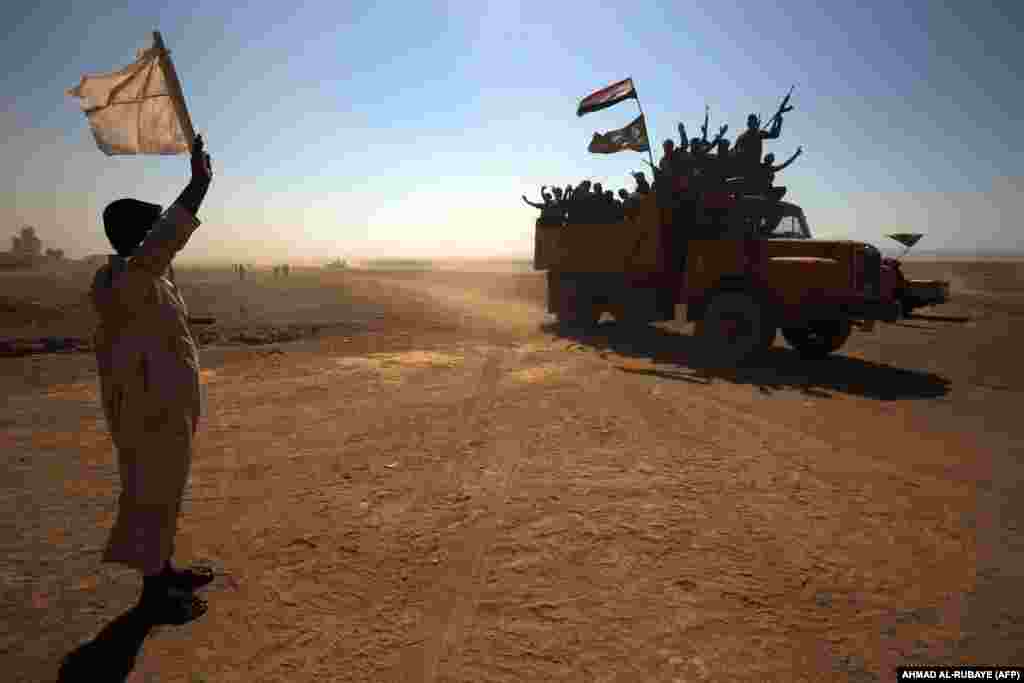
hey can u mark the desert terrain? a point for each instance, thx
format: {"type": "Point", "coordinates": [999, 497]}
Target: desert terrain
{"type": "Point", "coordinates": [411, 476]}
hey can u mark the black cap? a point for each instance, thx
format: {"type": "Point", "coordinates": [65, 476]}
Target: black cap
{"type": "Point", "coordinates": [127, 221]}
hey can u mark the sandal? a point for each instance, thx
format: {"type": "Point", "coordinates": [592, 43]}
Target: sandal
{"type": "Point", "coordinates": [172, 607]}
{"type": "Point", "coordinates": [190, 578]}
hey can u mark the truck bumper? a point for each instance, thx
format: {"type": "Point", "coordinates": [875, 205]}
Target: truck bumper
{"type": "Point", "coordinates": [927, 292]}
{"type": "Point", "coordinates": [885, 311]}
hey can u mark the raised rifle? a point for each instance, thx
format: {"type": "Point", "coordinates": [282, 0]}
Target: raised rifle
{"type": "Point", "coordinates": [784, 107]}
{"type": "Point", "coordinates": [704, 128]}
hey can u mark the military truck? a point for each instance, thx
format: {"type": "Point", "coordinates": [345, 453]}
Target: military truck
{"type": "Point", "coordinates": [755, 272]}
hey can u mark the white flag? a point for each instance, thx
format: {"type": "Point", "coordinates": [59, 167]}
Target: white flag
{"type": "Point", "coordinates": [131, 111]}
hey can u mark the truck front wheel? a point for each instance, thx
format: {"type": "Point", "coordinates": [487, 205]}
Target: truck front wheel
{"type": "Point", "coordinates": [819, 338]}
{"type": "Point", "coordinates": [735, 328]}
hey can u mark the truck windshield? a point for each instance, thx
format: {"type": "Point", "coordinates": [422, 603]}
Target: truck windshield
{"type": "Point", "coordinates": [804, 226]}
{"type": "Point", "coordinates": [792, 227]}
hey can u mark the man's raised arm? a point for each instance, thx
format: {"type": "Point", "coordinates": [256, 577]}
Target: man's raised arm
{"type": "Point", "coordinates": [534, 205]}
{"type": "Point", "coordinates": [175, 226]}
{"type": "Point", "coordinates": [192, 196]}
{"type": "Point", "coordinates": [787, 162]}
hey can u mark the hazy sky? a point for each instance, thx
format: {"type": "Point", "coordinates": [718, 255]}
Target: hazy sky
{"type": "Point", "coordinates": [349, 129]}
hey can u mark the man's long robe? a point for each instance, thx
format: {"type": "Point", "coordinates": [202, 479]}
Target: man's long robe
{"type": "Point", "coordinates": [149, 382]}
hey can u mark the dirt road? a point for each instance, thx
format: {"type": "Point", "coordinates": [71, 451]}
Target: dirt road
{"type": "Point", "coordinates": [452, 492]}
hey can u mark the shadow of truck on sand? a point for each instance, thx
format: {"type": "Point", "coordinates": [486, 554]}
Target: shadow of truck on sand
{"type": "Point", "coordinates": [779, 368]}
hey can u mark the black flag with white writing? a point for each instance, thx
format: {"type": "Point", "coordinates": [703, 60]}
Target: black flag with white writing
{"type": "Point", "coordinates": [632, 137]}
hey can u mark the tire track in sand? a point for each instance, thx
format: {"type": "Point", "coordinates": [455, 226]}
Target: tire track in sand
{"type": "Point", "coordinates": [479, 308]}
{"type": "Point", "coordinates": [450, 607]}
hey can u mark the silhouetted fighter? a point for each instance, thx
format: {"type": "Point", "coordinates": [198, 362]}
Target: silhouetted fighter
{"type": "Point", "coordinates": [550, 211]}
{"type": "Point", "coordinates": [668, 159]}
{"type": "Point", "coordinates": [544, 195]}
{"type": "Point", "coordinates": [724, 166]}
{"type": "Point", "coordinates": [766, 180]}
{"type": "Point", "coordinates": [580, 208]}
{"type": "Point", "coordinates": [750, 144]}
{"type": "Point", "coordinates": [769, 170]}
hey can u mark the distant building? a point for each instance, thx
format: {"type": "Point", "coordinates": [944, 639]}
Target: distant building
{"type": "Point", "coordinates": [27, 245]}
{"type": "Point", "coordinates": [27, 251]}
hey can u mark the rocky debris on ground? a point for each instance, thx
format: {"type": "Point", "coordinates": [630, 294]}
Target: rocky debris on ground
{"type": "Point", "coordinates": [20, 310]}
{"type": "Point", "coordinates": [250, 336]}
{"type": "Point", "coordinates": [26, 347]}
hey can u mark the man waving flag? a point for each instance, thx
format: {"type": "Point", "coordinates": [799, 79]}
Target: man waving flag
{"type": "Point", "coordinates": [602, 99]}
{"type": "Point", "coordinates": [139, 109]}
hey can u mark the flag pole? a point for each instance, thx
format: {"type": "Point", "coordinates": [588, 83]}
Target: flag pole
{"type": "Point", "coordinates": [174, 85]}
{"type": "Point", "coordinates": [646, 131]}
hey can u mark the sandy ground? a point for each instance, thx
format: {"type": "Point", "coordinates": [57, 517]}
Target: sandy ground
{"type": "Point", "coordinates": [434, 486]}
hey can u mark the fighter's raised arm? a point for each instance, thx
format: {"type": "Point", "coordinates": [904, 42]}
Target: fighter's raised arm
{"type": "Point", "coordinates": [533, 204]}
{"type": "Point", "coordinates": [787, 162]}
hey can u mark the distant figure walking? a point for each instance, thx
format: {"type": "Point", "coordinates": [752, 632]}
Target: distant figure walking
{"type": "Point", "coordinates": [149, 383]}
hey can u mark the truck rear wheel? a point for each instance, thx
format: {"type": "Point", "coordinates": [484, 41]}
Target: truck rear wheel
{"type": "Point", "coordinates": [818, 339]}
{"type": "Point", "coordinates": [629, 318]}
{"type": "Point", "coordinates": [735, 328]}
{"type": "Point", "coordinates": [577, 312]}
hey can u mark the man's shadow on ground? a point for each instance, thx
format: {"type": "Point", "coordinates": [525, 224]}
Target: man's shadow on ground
{"type": "Point", "coordinates": [111, 655]}
{"type": "Point", "coordinates": [779, 368]}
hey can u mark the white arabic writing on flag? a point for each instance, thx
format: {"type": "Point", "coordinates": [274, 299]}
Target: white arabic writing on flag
{"type": "Point", "coordinates": [631, 137]}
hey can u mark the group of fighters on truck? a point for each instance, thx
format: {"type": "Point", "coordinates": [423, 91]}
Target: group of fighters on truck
{"type": "Point", "coordinates": [705, 175]}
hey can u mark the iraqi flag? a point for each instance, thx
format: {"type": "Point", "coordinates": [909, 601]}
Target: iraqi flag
{"type": "Point", "coordinates": [632, 137]}
{"type": "Point", "coordinates": [613, 94]}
